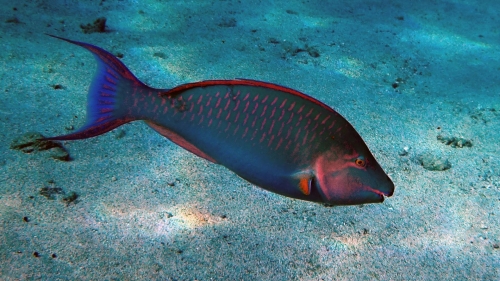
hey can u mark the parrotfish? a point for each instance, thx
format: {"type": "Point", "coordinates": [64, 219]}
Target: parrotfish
{"type": "Point", "coordinates": [274, 137]}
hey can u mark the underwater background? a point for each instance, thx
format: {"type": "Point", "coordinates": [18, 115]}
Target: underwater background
{"type": "Point", "coordinates": [418, 80]}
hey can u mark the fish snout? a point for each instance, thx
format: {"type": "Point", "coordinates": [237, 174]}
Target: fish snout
{"type": "Point", "coordinates": [387, 188]}
{"type": "Point", "coordinates": [352, 187]}
{"type": "Point", "coordinates": [376, 186]}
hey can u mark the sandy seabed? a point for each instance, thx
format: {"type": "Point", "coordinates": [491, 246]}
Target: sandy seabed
{"type": "Point", "coordinates": [402, 73]}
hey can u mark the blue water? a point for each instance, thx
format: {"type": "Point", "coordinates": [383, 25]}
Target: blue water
{"type": "Point", "coordinates": [402, 73]}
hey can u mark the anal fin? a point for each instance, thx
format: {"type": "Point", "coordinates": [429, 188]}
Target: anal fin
{"type": "Point", "coordinates": [180, 141]}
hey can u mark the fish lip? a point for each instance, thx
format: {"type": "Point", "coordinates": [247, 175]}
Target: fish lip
{"type": "Point", "coordinates": [382, 198]}
{"type": "Point", "coordinates": [381, 193]}
{"type": "Point", "coordinates": [389, 194]}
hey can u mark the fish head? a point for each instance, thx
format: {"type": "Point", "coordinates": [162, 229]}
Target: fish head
{"type": "Point", "coordinates": [350, 175]}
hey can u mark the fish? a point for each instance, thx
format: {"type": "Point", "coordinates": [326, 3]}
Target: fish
{"type": "Point", "coordinates": [274, 137]}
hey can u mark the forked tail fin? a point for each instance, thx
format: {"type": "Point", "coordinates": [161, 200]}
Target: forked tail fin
{"type": "Point", "coordinates": [111, 81]}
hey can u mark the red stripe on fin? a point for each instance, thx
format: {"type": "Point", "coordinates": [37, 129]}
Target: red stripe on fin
{"type": "Point", "coordinates": [180, 141]}
{"type": "Point", "coordinates": [244, 82]}
{"type": "Point", "coordinates": [111, 82]}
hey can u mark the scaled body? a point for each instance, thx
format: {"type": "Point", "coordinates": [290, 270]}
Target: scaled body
{"type": "Point", "coordinates": [274, 137]}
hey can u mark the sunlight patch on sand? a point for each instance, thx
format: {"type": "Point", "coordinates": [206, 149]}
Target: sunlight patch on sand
{"type": "Point", "coordinates": [454, 44]}
{"type": "Point", "coordinates": [156, 221]}
{"type": "Point", "coordinates": [350, 67]}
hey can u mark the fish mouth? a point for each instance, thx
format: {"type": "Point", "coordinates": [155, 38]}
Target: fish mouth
{"type": "Point", "coordinates": [387, 194]}
{"type": "Point", "coordinates": [381, 194]}
{"type": "Point", "coordinates": [386, 190]}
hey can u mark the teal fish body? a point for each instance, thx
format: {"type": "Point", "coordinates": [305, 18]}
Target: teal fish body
{"type": "Point", "coordinates": [272, 136]}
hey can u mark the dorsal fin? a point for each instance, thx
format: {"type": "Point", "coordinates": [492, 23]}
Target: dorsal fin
{"type": "Point", "coordinates": [243, 82]}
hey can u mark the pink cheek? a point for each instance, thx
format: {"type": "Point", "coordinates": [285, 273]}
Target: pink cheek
{"type": "Point", "coordinates": [339, 186]}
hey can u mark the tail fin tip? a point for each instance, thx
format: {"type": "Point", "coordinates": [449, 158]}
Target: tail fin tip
{"type": "Point", "coordinates": [111, 80]}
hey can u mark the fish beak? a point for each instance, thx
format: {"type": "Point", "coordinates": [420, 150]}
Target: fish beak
{"type": "Point", "coordinates": [345, 188]}
{"type": "Point", "coordinates": [383, 190]}
{"type": "Point", "coordinates": [387, 188]}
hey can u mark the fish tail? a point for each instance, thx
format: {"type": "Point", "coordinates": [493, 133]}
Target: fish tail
{"type": "Point", "coordinates": [111, 82]}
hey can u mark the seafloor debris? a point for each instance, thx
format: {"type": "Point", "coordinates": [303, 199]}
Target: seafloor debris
{"type": "Point", "coordinates": [433, 162]}
{"type": "Point", "coordinates": [404, 151]}
{"type": "Point", "coordinates": [485, 115]}
{"type": "Point", "coordinates": [227, 22]}
{"type": "Point", "coordinates": [455, 141]}
{"type": "Point", "coordinates": [291, 49]}
{"type": "Point", "coordinates": [50, 192]}
{"type": "Point", "coordinates": [70, 197]}
{"type": "Point", "coordinates": [13, 20]}
{"type": "Point", "coordinates": [32, 142]}
{"type": "Point", "coordinates": [99, 25]}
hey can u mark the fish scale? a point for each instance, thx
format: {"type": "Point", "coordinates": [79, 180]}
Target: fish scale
{"type": "Point", "coordinates": [197, 119]}
{"type": "Point", "coordinates": [274, 137]}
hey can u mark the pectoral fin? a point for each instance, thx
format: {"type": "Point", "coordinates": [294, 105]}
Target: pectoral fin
{"type": "Point", "coordinates": [304, 181]}
{"type": "Point", "coordinates": [305, 185]}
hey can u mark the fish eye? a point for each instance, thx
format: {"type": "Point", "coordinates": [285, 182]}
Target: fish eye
{"type": "Point", "coordinates": [360, 162]}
